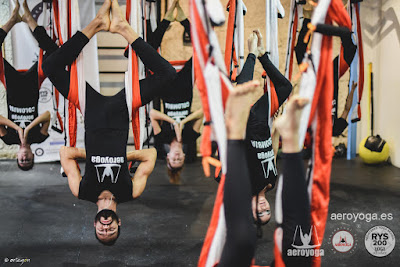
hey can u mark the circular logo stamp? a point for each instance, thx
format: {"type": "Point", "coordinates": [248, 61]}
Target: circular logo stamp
{"type": "Point", "coordinates": [39, 152]}
{"type": "Point", "coordinates": [380, 241]}
{"type": "Point", "coordinates": [342, 241]}
{"type": "Point", "coordinates": [44, 95]}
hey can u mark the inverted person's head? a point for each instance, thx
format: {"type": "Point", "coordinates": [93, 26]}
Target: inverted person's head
{"type": "Point", "coordinates": [25, 158]}
{"type": "Point", "coordinates": [261, 209]}
{"type": "Point", "coordinates": [175, 156]}
{"type": "Point", "coordinates": [107, 227]}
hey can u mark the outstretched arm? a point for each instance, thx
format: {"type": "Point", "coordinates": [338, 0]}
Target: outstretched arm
{"type": "Point", "coordinates": [44, 119]}
{"type": "Point", "coordinates": [68, 157]}
{"type": "Point", "coordinates": [147, 157]}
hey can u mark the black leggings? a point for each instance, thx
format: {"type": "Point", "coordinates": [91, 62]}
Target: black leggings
{"type": "Point", "coordinates": [296, 208]}
{"type": "Point", "coordinates": [155, 38]}
{"type": "Point", "coordinates": [181, 88]}
{"type": "Point", "coordinates": [241, 233]}
{"type": "Point", "coordinates": [349, 49]}
{"type": "Point", "coordinates": [150, 87]}
{"type": "Point", "coordinates": [241, 238]}
{"type": "Point", "coordinates": [45, 43]}
{"type": "Point", "coordinates": [283, 87]}
{"type": "Point", "coordinates": [301, 46]}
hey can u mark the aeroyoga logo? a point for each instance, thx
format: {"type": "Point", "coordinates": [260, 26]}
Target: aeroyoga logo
{"type": "Point", "coordinates": [305, 243]}
{"type": "Point", "coordinates": [177, 111]}
{"type": "Point", "coordinates": [22, 116]}
{"type": "Point", "coordinates": [107, 167]}
{"type": "Point", "coordinates": [266, 157]}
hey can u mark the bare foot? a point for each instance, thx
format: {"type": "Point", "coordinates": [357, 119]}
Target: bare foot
{"type": "Point", "coordinates": [180, 16]}
{"type": "Point", "coordinates": [252, 43]}
{"type": "Point", "coordinates": [170, 13]}
{"type": "Point", "coordinates": [118, 21]}
{"type": "Point", "coordinates": [103, 16]}
{"type": "Point", "coordinates": [288, 124]}
{"type": "Point", "coordinates": [238, 108]}
{"type": "Point", "coordinates": [27, 17]}
{"type": "Point", "coordinates": [15, 14]}
{"type": "Point", "coordinates": [260, 46]}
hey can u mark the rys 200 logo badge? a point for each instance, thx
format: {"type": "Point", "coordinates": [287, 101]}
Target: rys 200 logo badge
{"type": "Point", "coordinates": [380, 241]}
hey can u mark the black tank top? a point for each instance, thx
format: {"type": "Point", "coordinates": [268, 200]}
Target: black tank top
{"type": "Point", "coordinates": [260, 155]}
{"type": "Point", "coordinates": [177, 110]}
{"type": "Point", "coordinates": [177, 101]}
{"type": "Point", "coordinates": [106, 136]}
{"type": "Point", "coordinates": [22, 95]}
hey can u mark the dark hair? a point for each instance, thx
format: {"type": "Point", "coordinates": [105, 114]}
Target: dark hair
{"type": "Point", "coordinates": [25, 168]}
{"type": "Point", "coordinates": [110, 242]}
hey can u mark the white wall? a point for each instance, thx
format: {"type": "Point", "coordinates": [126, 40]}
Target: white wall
{"type": "Point", "coordinates": [381, 37]}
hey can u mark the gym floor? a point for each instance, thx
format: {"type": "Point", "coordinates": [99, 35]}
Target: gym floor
{"type": "Point", "coordinates": [42, 221]}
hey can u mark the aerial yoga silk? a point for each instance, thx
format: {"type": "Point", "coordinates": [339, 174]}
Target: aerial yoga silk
{"type": "Point", "coordinates": [214, 87]}
{"type": "Point", "coordinates": [273, 8]}
{"type": "Point", "coordinates": [295, 19]}
{"type": "Point", "coordinates": [66, 22]}
{"type": "Point", "coordinates": [234, 45]}
{"type": "Point", "coordinates": [136, 71]}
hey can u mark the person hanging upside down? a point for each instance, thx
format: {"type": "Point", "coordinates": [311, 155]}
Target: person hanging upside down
{"type": "Point", "coordinates": [177, 129]}
{"type": "Point", "coordinates": [294, 211]}
{"type": "Point", "coordinates": [259, 149]}
{"type": "Point", "coordinates": [24, 126]}
{"type": "Point", "coordinates": [107, 181]}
